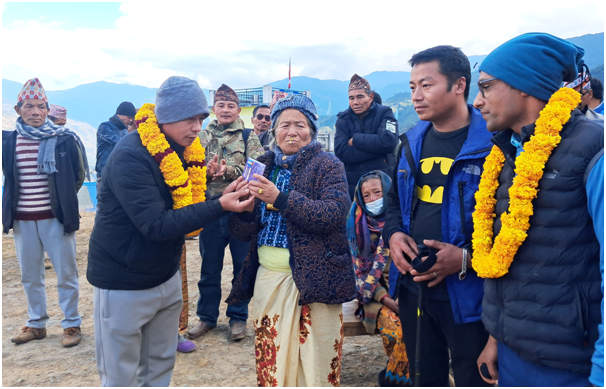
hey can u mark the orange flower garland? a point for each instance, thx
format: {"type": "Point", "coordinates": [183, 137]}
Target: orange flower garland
{"type": "Point", "coordinates": [187, 187]}
{"type": "Point", "coordinates": [492, 259]}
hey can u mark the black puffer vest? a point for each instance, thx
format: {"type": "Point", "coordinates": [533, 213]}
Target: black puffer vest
{"type": "Point", "coordinates": [547, 308]}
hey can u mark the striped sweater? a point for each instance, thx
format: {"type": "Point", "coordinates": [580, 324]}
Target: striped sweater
{"type": "Point", "coordinates": [34, 199]}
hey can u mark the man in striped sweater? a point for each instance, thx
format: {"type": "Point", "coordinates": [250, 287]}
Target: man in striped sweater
{"type": "Point", "coordinates": [43, 165]}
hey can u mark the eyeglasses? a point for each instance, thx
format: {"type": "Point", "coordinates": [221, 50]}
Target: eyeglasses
{"type": "Point", "coordinates": [267, 117]}
{"type": "Point", "coordinates": [480, 83]}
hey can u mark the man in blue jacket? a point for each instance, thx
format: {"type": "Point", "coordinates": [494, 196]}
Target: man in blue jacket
{"type": "Point", "coordinates": [111, 131]}
{"type": "Point", "coordinates": [430, 202]}
{"type": "Point", "coordinates": [545, 314]}
{"type": "Point", "coordinates": [366, 134]}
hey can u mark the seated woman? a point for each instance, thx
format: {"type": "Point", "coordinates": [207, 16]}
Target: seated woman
{"type": "Point", "coordinates": [298, 267]}
{"type": "Point", "coordinates": [371, 265]}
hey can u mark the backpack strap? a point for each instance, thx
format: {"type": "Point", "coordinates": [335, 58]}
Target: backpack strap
{"type": "Point", "coordinates": [245, 135]}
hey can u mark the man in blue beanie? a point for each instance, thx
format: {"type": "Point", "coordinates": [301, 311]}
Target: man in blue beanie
{"type": "Point", "coordinates": [136, 244]}
{"type": "Point", "coordinates": [544, 315]}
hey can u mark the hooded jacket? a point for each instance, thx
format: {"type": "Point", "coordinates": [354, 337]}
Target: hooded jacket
{"type": "Point", "coordinates": [457, 206]}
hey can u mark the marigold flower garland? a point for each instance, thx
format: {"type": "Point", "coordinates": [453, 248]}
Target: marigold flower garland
{"type": "Point", "coordinates": [187, 187]}
{"type": "Point", "coordinates": [492, 259]}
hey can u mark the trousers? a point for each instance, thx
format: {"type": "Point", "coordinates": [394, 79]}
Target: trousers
{"type": "Point", "coordinates": [135, 342]}
{"type": "Point", "coordinates": [32, 238]}
{"type": "Point", "coordinates": [439, 334]}
{"type": "Point", "coordinates": [214, 238]}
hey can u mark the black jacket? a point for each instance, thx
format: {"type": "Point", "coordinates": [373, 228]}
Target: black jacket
{"type": "Point", "coordinates": [108, 135]}
{"type": "Point", "coordinates": [375, 138]}
{"type": "Point", "coordinates": [63, 186]}
{"type": "Point", "coordinates": [548, 307]}
{"type": "Point", "coordinates": [138, 237]}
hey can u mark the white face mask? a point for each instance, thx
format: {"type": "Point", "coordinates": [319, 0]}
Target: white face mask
{"type": "Point", "coordinates": [375, 206]}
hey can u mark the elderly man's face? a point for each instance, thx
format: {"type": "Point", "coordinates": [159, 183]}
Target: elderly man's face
{"type": "Point", "coordinates": [293, 131]}
{"type": "Point", "coordinates": [33, 112]}
{"type": "Point", "coordinates": [262, 124]}
{"type": "Point", "coordinates": [360, 101]}
{"type": "Point", "coordinates": [586, 95]}
{"type": "Point", "coordinates": [184, 132]}
{"type": "Point", "coordinates": [226, 111]}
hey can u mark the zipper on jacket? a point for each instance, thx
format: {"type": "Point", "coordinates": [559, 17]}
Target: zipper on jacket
{"type": "Point", "coordinates": [462, 207]}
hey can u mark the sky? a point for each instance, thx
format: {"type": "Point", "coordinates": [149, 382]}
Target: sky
{"type": "Point", "coordinates": [248, 44]}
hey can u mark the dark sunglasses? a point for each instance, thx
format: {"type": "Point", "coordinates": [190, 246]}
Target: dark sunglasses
{"type": "Point", "coordinates": [267, 117]}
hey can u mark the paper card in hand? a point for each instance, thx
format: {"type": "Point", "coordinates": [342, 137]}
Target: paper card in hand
{"type": "Point", "coordinates": [253, 167]}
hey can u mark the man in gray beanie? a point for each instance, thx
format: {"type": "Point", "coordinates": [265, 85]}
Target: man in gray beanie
{"type": "Point", "coordinates": [135, 247]}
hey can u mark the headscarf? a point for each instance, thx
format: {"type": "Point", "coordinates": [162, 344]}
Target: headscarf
{"type": "Point", "coordinates": [365, 242]}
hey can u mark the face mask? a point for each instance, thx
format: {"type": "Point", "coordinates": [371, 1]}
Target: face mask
{"type": "Point", "coordinates": [375, 206]}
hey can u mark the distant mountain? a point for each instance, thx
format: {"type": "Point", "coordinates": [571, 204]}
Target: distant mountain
{"type": "Point", "coordinates": [94, 103]}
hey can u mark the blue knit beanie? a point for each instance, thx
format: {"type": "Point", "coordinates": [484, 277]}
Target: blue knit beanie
{"type": "Point", "coordinates": [301, 103]}
{"type": "Point", "coordinates": [179, 98]}
{"type": "Point", "coordinates": [535, 63]}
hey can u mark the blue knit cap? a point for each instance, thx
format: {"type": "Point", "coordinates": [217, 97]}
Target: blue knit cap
{"type": "Point", "coordinates": [535, 63]}
{"type": "Point", "coordinates": [179, 98]}
{"type": "Point", "coordinates": [301, 103]}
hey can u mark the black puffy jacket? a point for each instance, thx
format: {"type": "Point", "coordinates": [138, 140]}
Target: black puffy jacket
{"type": "Point", "coordinates": [138, 237]}
{"type": "Point", "coordinates": [375, 138]}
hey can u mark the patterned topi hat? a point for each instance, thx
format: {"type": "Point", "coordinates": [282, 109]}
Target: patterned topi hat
{"type": "Point", "coordinates": [225, 93]}
{"type": "Point", "coordinates": [358, 82]}
{"type": "Point", "coordinates": [33, 89]}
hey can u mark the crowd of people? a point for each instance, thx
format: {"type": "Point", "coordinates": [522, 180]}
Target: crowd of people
{"type": "Point", "coordinates": [472, 243]}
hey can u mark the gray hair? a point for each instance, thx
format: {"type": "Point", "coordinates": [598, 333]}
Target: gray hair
{"type": "Point", "coordinates": [274, 127]}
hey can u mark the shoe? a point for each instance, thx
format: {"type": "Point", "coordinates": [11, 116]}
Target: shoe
{"type": "Point", "coordinates": [238, 330]}
{"type": "Point", "coordinates": [198, 330]}
{"type": "Point", "coordinates": [186, 346]}
{"type": "Point", "coordinates": [29, 333]}
{"type": "Point", "coordinates": [71, 337]}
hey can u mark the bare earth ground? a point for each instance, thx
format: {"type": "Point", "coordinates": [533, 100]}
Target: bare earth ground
{"type": "Point", "coordinates": [217, 361]}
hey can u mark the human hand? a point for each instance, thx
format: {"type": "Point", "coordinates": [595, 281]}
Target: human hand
{"type": "Point", "coordinates": [489, 357]}
{"type": "Point", "coordinates": [391, 304]}
{"type": "Point", "coordinates": [264, 189]}
{"type": "Point", "coordinates": [221, 168]}
{"type": "Point", "coordinates": [211, 167]}
{"type": "Point", "coordinates": [400, 244]}
{"type": "Point", "coordinates": [237, 201]}
{"type": "Point", "coordinates": [350, 142]}
{"type": "Point", "coordinates": [450, 259]}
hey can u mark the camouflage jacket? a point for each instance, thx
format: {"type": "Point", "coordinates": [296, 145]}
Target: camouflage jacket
{"type": "Point", "coordinates": [227, 142]}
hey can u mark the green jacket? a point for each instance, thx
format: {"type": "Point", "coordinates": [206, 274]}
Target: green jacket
{"type": "Point", "coordinates": [227, 142]}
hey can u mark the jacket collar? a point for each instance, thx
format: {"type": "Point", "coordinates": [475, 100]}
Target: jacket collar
{"type": "Point", "coordinates": [219, 130]}
{"type": "Point", "coordinates": [117, 122]}
{"type": "Point", "coordinates": [478, 137]}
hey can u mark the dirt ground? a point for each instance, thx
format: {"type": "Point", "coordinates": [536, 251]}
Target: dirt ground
{"type": "Point", "coordinates": [217, 361]}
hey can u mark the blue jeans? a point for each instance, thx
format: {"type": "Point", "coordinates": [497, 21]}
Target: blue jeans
{"type": "Point", "coordinates": [213, 240]}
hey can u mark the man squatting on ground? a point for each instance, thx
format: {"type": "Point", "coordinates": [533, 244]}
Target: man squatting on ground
{"type": "Point", "coordinates": [135, 247]}
{"type": "Point", "coordinates": [44, 166]}
{"type": "Point", "coordinates": [430, 202]}
{"type": "Point", "coordinates": [544, 307]}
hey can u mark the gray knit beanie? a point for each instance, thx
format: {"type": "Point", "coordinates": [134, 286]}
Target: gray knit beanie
{"type": "Point", "coordinates": [179, 98]}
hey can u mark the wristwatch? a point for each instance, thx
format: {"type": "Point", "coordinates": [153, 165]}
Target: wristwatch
{"type": "Point", "coordinates": [463, 272]}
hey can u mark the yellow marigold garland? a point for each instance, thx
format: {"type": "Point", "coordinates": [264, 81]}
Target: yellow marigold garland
{"type": "Point", "coordinates": [492, 259]}
{"type": "Point", "coordinates": [187, 187]}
